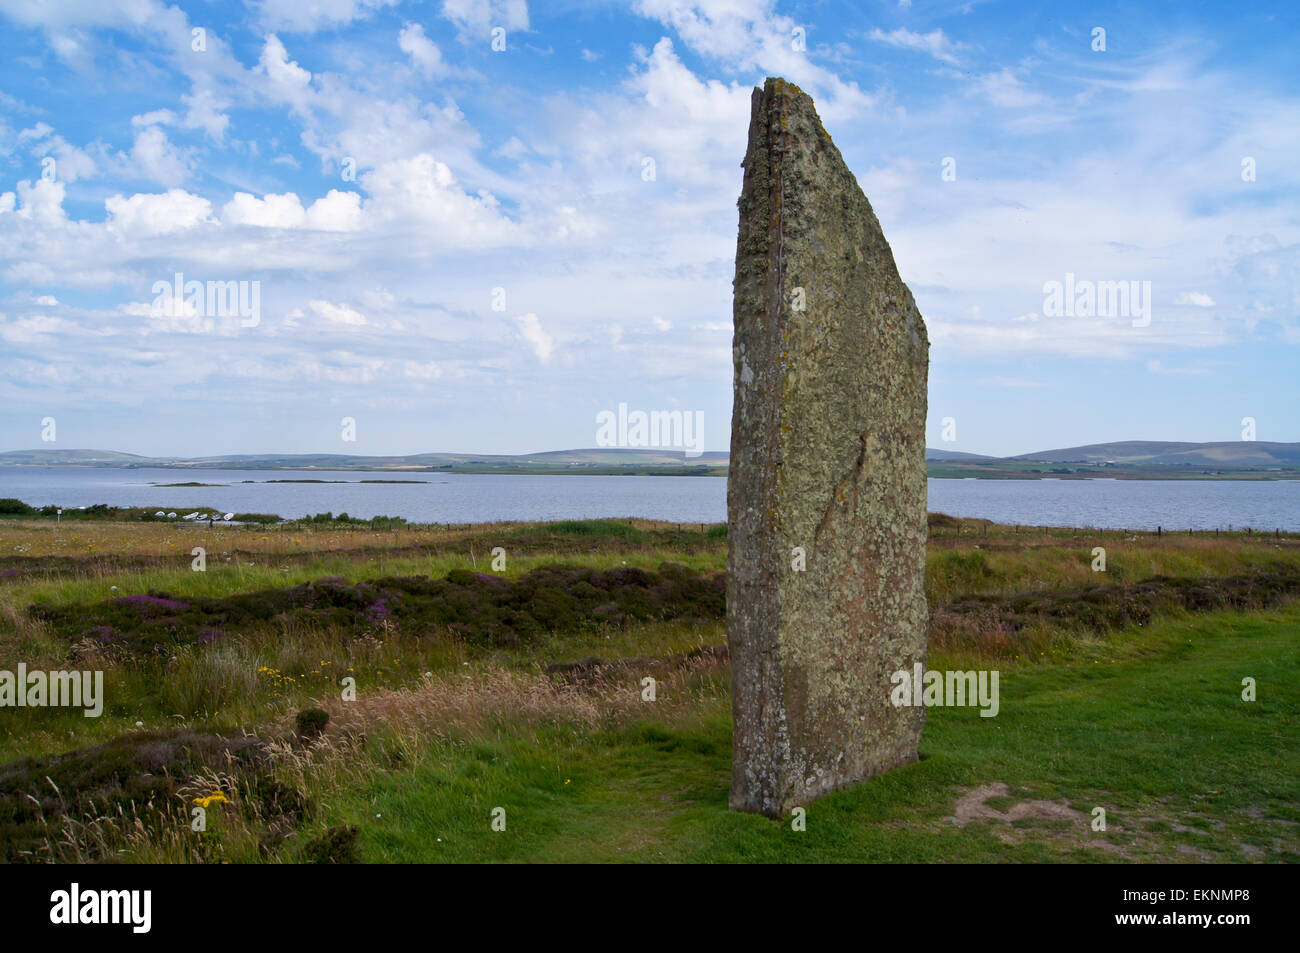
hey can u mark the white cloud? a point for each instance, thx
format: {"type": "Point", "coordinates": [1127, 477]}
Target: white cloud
{"type": "Point", "coordinates": [157, 159]}
{"type": "Point", "coordinates": [169, 314]}
{"type": "Point", "coordinates": [692, 128]}
{"type": "Point", "coordinates": [530, 328]}
{"type": "Point", "coordinates": [87, 13]}
{"type": "Point", "coordinates": [289, 82]}
{"type": "Point", "coordinates": [34, 133]}
{"type": "Point", "coordinates": [744, 36]}
{"type": "Point", "coordinates": [70, 162]}
{"type": "Point", "coordinates": [270, 211]}
{"type": "Point", "coordinates": [336, 212]}
{"type": "Point", "coordinates": [1195, 298]}
{"type": "Point", "coordinates": [935, 42]}
{"type": "Point", "coordinates": [346, 121]}
{"type": "Point", "coordinates": [30, 329]}
{"type": "Point", "coordinates": [42, 201]}
{"type": "Point", "coordinates": [512, 148]}
{"type": "Point", "coordinates": [308, 16]}
{"type": "Point", "coordinates": [72, 46]}
{"type": "Point", "coordinates": [158, 117]}
{"type": "Point", "coordinates": [423, 189]}
{"type": "Point", "coordinates": [142, 215]}
{"type": "Point", "coordinates": [474, 19]}
{"type": "Point", "coordinates": [720, 29]}
{"type": "Point", "coordinates": [206, 111]}
{"type": "Point", "coordinates": [1004, 89]}
{"type": "Point", "coordinates": [424, 53]}
{"type": "Point", "coordinates": [337, 313]}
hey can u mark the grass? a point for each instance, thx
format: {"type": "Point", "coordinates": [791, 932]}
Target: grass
{"type": "Point", "coordinates": [1119, 690]}
{"type": "Point", "coordinates": [1160, 738]}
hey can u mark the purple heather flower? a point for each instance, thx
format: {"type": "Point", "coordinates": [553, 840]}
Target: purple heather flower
{"type": "Point", "coordinates": [151, 605]}
{"type": "Point", "coordinates": [379, 611]}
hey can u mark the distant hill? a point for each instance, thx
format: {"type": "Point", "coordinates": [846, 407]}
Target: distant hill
{"type": "Point", "coordinates": [551, 460]}
{"type": "Point", "coordinates": [946, 455]}
{"type": "Point", "coordinates": [1239, 453]}
{"type": "Point", "coordinates": [80, 458]}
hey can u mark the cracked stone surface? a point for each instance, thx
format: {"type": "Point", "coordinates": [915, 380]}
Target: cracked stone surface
{"type": "Point", "coordinates": [827, 454]}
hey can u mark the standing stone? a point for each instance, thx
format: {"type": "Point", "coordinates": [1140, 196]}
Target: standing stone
{"type": "Point", "coordinates": [827, 458]}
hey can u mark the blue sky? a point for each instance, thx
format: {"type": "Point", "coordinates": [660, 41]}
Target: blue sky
{"type": "Point", "coordinates": [459, 248]}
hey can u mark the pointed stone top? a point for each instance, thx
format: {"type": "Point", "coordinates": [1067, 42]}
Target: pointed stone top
{"type": "Point", "coordinates": [776, 84]}
{"type": "Point", "coordinates": [796, 181]}
{"type": "Point", "coordinates": [784, 99]}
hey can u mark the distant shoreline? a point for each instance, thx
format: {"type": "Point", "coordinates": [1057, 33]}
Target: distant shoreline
{"type": "Point", "coordinates": [935, 470]}
{"type": "Point", "coordinates": [470, 469]}
{"type": "Point", "coordinates": [1124, 459]}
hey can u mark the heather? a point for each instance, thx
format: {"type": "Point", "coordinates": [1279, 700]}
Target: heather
{"type": "Point", "coordinates": [476, 607]}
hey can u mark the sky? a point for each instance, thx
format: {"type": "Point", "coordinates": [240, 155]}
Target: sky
{"type": "Point", "coordinates": [476, 226]}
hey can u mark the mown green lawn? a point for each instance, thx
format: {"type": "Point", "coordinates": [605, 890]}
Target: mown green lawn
{"type": "Point", "coordinates": [1152, 728]}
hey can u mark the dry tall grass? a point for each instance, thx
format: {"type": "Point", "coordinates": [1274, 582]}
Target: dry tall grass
{"type": "Point", "coordinates": [382, 728]}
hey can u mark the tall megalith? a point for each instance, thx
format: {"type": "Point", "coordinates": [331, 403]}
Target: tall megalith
{"type": "Point", "coordinates": [826, 501]}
